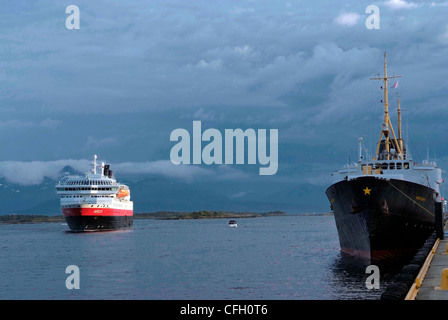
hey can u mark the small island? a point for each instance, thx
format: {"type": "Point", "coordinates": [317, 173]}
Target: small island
{"type": "Point", "coordinates": [160, 215]}
{"type": "Point", "coordinates": [204, 214]}
{"type": "Point", "coordinates": [29, 218]}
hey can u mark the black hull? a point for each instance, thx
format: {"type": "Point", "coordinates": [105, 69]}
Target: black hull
{"type": "Point", "coordinates": [379, 219]}
{"type": "Point", "coordinates": [98, 223]}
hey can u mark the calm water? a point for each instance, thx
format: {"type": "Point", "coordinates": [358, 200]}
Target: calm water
{"type": "Point", "coordinates": [280, 258]}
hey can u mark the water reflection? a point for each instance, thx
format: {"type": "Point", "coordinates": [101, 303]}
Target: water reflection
{"type": "Point", "coordinates": [349, 276]}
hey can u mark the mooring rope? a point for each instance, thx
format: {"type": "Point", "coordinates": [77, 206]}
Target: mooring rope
{"type": "Point", "coordinates": [418, 204]}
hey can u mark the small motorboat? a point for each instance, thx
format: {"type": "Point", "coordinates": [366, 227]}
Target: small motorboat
{"type": "Point", "coordinates": [233, 224]}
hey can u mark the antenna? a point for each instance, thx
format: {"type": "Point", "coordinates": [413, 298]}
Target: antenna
{"type": "Point", "coordinates": [94, 164]}
{"type": "Point", "coordinates": [360, 139]}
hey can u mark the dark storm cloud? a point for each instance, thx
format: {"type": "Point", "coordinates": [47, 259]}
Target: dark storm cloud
{"type": "Point", "coordinates": [137, 70]}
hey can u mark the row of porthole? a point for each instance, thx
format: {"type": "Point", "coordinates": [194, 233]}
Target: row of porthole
{"type": "Point", "coordinates": [385, 166]}
{"type": "Point", "coordinates": [418, 225]}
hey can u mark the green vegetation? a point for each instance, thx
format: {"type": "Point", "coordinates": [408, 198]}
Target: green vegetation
{"type": "Point", "coordinates": [29, 218]}
{"type": "Point", "coordinates": [204, 214]}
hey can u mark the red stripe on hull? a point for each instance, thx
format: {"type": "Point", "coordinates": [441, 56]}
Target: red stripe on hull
{"type": "Point", "coordinates": [103, 212]}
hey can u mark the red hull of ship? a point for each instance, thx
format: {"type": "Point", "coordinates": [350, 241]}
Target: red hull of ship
{"type": "Point", "coordinates": [96, 212]}
{"type": "Point", "coordinates": [97, 219]}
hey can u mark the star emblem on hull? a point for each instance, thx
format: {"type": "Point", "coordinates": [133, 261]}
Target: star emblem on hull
{"type": "Point", "coordinates": [367, 191]}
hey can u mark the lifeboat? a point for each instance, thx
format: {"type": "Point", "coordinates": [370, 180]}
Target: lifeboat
{"type": "Point", "coordinates": [122, 193]}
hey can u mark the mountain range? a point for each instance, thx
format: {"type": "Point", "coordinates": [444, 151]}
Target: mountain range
{"type": "Point", "coordinates": [152, 193]}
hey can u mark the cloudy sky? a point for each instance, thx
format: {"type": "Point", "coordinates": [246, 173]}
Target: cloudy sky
{"type": "Point", "coordinates": [136, 70]}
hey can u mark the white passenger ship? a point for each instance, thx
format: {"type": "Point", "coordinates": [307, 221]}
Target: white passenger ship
{"type": "Point", "coordinates": [95, 202]}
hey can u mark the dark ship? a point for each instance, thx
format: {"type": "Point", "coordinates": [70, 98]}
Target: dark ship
{"type": "Point", "coordinates": [384, 207]}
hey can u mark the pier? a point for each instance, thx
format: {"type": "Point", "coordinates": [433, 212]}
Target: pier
{"type": "Point", "coordinates": [431, 282]}
{"type": "Point", "coordinates": [426, 275]}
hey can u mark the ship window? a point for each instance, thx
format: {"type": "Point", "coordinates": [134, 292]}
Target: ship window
{"type": "Point", "coordinates": [377, 165]}
{"type": "Point", "coordinates": [399, 165]}
{"type": "Point", "coordinates": [406, 165]}
{"type": "Point", "coordinates": [384, 166]}
{"type": "Point", "coordinates": [391, 166]}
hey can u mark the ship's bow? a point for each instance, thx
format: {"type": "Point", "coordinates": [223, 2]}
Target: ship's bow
{"type": "Point", "coordinates": [379, 219]}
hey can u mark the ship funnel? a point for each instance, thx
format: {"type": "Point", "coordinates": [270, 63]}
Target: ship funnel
{"type": "Point", "coordinates": [106, 170]}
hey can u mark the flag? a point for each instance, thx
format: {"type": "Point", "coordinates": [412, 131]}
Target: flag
{"type": "Point", "coordinates": [395, 85]}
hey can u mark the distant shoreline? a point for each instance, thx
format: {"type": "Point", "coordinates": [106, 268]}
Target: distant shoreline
{"type": "Point", "coordinates": [159, 215]}
{"type": "Point", "coordinates": [204, 214]}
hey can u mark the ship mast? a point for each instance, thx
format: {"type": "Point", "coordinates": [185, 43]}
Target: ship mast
{"type": "Point", "coordinates": [400, 138]}
{"type": "Point", "coordinates": [94, 164]}
{"type": "Point", "coordinates": [387, 125]}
